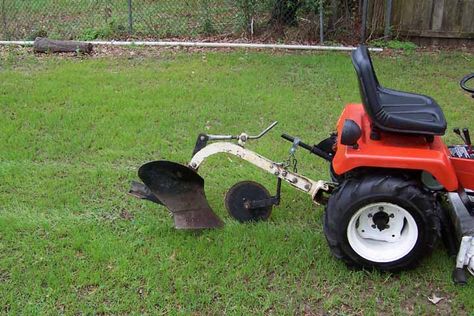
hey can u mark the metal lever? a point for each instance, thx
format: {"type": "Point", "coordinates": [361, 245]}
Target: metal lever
{"type": "Point", "coordinates": [264, 131]}
{"type": "Point", "coordinates": [467, 137]}
{"type": "Point", "coordinates": [457, 131]}
{"type": "Point", "coordinates": [221, 137]}
{"type": "Point", "coordinates": [242, 137]}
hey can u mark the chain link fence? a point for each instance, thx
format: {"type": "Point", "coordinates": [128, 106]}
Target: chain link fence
{"type": "Point", "coordinates": [289, 20]}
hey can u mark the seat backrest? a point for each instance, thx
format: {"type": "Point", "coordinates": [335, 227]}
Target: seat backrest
{"type": "Point", "coordinates": [368, 83]}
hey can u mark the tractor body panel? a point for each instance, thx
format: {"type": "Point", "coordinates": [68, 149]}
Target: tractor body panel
{"type": "Point", "coordinates": [394, 151]}
{"type": "Point", "coordinates": [465, 171]}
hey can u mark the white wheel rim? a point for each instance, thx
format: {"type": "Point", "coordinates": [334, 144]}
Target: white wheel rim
{"type": "Point", "coordinates": [389, 244]}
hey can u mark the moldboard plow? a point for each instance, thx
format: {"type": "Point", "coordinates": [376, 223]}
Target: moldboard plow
{"type": "Point", "coordinates": [181, 189]}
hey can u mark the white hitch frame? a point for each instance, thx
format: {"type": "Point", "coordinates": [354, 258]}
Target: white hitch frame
{"type": "Point", "coordinates": [300, 182]}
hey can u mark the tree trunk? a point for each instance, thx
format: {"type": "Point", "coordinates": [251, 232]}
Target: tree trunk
{"type": "Point", "coordinates": [45, 45]}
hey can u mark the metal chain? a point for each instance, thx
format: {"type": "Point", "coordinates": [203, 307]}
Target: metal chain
{"type": "Point", "coordinates": [292, 161]}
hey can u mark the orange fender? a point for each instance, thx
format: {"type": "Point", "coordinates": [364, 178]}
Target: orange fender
{"type": "Point", "coordinates": [395, 151]}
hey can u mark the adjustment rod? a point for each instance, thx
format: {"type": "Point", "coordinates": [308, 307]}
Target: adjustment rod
{"type": "Point", "coordinates": [467, 138]}
{"type": "Point", "coordinates": [457, 131]}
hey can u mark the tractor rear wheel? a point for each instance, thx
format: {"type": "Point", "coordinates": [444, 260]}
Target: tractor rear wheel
{"type": "Point", "coordinates": [381, 221]}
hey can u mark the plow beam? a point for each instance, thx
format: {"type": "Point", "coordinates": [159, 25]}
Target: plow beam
{"type": "Point", "coordinates": [311, 187]}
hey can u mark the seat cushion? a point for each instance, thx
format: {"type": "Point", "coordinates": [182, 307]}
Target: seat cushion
{"type": "Point", "coordinates": [395, 111]}
{"type": "Point", "coordinates": [408, 113]}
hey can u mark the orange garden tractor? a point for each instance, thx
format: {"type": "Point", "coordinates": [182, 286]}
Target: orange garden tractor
{"type": "Point", "coordinates": [395, 187]}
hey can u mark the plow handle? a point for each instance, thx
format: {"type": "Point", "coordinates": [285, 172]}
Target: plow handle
{"type": "Point", "coordinates": [312, 149]}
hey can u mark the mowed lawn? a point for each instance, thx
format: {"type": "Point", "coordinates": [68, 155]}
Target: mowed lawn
{"type": "Point", "coordinates": [73, 132]}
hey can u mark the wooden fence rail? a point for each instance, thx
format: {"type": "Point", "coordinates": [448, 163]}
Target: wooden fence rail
{"type": "Point", "coordinates": [433, 19]}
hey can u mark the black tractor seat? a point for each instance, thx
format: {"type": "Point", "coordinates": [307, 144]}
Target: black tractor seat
{"type": "Point", "coordinates": [395, 111]}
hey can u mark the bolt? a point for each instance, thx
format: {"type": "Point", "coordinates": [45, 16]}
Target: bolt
{"type": "Point", "coordinates": [193, 165]}
{"type": "Point", "coordinates": [387, 226]}
{"type": "Point", "coordinates": [276, 173]}
{"type": "Point", "coordinates": [307, 187]}
{"type": "Point", "coordinates": [373, 226]}
{"type": "Point", "coordinates": [391, 215]}
{"type": "Point", "coordinates": [369, 215]}
{"type": "Point", "coordinates": [294, 180]}
{"type": "Point", "coordinates": [363, 231]}
{"type": "Point", "coordinates": [381, 208]}
{"type": "Point", "coordinates": [284, 173]}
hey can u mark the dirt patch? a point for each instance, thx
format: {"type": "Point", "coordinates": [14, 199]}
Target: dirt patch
{"type": "Point", "coordinates": [4, 276]}
{"type": "Point", "coordinates": [87, 290]}
{"type": "Point", "coordinates": [126, 215]}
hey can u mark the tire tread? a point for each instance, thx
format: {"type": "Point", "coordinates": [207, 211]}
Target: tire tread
{"type": "Point", "coordinates": [369, 186]}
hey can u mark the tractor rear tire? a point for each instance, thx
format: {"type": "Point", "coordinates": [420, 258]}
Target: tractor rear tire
{"type": "Point", "coordinates": [382, 221]}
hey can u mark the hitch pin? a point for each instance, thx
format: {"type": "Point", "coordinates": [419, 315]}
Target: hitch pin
{"type": "Point", "coordinates": [293, 148]}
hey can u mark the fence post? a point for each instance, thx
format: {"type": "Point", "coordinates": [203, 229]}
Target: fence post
{"type": "Point", "coordinates": [130, 17]}
{"type": "Point", "coordinates": [4, 22]}
{"type": "Point", "coordinates": [388, 19]}
{"type": "Point", "coordinates": [364, 21]}
{"type": "Point", "coordinates": [321, 22]}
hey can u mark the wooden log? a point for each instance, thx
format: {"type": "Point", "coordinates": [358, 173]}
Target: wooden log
{"type": "Point", "coordinates": [45, 45]}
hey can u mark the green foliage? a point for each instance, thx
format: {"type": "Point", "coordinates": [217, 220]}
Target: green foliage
{"type": "Point", "coordinates": [90, 34]}
{"type": "Point", "coordinates": [73, 133]}
{"type": "Point", "coordinates": [112, 29]}
{"type": "Point", "coordinates": [37, 33]}
{"type": "Point", "coordinates": [246, 11]}
{"type": "Point", "coordinates": [207, 26]}
{"type": "Point", "coordinates": [394, 44]}
{"type": "Point", "coordinates": [310, 5]}
{"type": "Point", "coordinates": [275, 12]}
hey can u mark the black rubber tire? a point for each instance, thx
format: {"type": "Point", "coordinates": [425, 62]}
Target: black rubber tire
{"type": "Point", "coordinates": [335, 177]}
{"type": "Point", "coordinates": [401, 190]}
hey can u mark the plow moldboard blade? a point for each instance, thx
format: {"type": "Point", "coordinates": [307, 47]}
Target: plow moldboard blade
{"type": "Point", "coordinates": [181, 190]}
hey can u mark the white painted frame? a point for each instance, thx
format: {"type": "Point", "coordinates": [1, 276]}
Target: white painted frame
{"type": "Point", "coordinates": [296, 180]}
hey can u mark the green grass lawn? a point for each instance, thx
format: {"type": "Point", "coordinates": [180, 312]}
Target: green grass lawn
{"type": "Point", "coordinates": [73, 133]}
